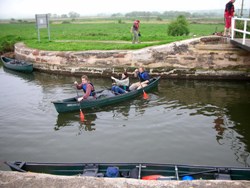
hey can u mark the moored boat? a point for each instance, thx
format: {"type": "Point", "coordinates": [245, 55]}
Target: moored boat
{"type": "Point", "coordinates": [71, 104]}
{"type": "Point", "coordinates": [145, 171]}
{"type": "Point", "coordinates": [17, 65]}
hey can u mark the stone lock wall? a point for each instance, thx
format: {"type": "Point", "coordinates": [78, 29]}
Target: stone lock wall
{"type": "Point", "coordinates": [204, 57]}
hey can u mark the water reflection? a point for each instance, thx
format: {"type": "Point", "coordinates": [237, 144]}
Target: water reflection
{"type": "Point", "coordinates": [220, 128]}
{"type": "Point", "coordinates": [73, 119]}
{"type": "Point", "coordinates": [25, 76]}
{"type": "Point", "coordinates": [221, 101]}
{"type": "Point", "coordinates": [121, 112]}
{"type": "Point", "coordinates": [199, 122]}
{"type": "Point", "coordinates": [228, 136]}
{"type": "Point", "coordinates": [117, 112]}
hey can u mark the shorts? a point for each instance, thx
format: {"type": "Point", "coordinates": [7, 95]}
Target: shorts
{"type": "Point", "coordinates": [228, 21]}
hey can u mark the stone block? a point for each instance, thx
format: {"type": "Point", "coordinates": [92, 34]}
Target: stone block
{"type": "Point", "coordinates": [43, 61]}
{"type": "Point", "coordinates": [119, 55]}
{"type": "Point", "coordinates": [26, 52]}
{"type": "Point", "coordinates": [38, 59]}
{"type": "Point", "coordinates": [189, 58]}
{"type": "Point", "coordinates": [35, 52]}
{"type": "Point", "coordinates": [233, 57]}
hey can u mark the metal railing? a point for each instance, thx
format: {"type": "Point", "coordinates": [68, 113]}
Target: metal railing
{"type": "Point", "coordinates": [244, 31]}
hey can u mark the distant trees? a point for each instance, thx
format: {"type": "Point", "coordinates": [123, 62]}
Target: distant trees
{"type": "Point", "coordinates": [159, 18]}
{"type": "Point", "coordinates": [69, 15]}
{"type": "Point", "coordinates": [178, 27]}
{"type": "Point", "coordinates": [74, 14]}
{"type": "Point", "coordinates": [64, 16]}
{"type": "Point", "coordinates": [143, 14]}
{"type": "Point", "coordinates": [117, 15]}
{"type": "Point", "coordinates": [146, 15]}
{"type": "Point", "coordinates": [174, 14]}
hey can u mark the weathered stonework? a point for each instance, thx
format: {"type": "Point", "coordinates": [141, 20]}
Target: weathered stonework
{"type": "Point", "coordinates": [31, 180]}
{"type": "Point", "coordinates": [209, 54]}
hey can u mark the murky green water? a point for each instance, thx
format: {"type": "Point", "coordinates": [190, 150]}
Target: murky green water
{"type": "Point", "coordinates": [184, 122]}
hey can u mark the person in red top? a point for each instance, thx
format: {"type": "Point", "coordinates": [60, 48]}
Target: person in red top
{"type": "Point", "coordinates": [135, 31]}
{"type": "Point", "coordinates": [229, 13]}
{"type": "Point", "coordinates": [87, 87]}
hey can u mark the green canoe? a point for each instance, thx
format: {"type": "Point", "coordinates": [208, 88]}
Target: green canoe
{"type": "Point", "coordinates": [146, 171]}
{"type": "Point", "coordinates": [103, 99]}
{"type": "Point", "coordinates": [16, 65]}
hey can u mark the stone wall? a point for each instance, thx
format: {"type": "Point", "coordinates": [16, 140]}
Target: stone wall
{"type": "Point", "coordinates": [31, 180]}
{"type": "Point", "coordinates": [206, 57]}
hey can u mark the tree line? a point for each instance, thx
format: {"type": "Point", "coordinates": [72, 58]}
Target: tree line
{"type": "Point", "coordinates": [154, 14]}
{"type": "Point", "coordinates": [160, 15]}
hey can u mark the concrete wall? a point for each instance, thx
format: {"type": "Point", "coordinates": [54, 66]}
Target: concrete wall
{"type": "Point", "coordinates": [34, 180]}
{"type": "Point", "coordinates": [204, 57]}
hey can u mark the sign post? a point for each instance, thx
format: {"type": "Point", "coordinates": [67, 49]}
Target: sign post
{"type": "Point", "coordinates": [42, 21]}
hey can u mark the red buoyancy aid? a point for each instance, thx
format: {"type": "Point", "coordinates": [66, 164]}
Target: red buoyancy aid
{"type": "Point", "coordinates": [84, 88]}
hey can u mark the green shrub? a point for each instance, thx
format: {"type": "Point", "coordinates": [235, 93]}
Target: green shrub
{"type": "Point", "coordinates": [240, 26]}
{"type": "Point", "coordinates": [7, 43]}
{"type": "Point", "coordinates": [178, 27]}
{"type": "Point", "coordinates": [66, 22]}
{"type": "Point", "coordinates": [159, 18]}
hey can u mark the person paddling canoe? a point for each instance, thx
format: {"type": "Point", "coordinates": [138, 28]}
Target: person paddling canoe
{"type": "Point", "coordinates": [87, 87]}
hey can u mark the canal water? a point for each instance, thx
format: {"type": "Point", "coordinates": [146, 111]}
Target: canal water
{"type": "Point", "coordinates": [183, 122]}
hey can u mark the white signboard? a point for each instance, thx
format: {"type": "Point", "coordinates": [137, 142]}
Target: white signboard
{"type": "Point", "coordinates": [42, 21]}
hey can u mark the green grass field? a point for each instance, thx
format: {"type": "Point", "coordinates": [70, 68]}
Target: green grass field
{"type": "Point", "coordinates": [96, 35]}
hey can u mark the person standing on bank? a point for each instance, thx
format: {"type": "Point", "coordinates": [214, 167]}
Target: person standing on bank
{"type": "Point", "coordinates": [121, 86]}
{"type": "Point", "coordinates": [229, 13]}
{"type": "Point", "coordinates": [135, 31]}
{"type": "Point", "coordinates": [87, 87]}
{"type": "Point", "coordinates": [143, 77]}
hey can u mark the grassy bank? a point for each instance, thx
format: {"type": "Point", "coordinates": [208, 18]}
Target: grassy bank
{"type": "Point", "coordinates": [97, 35]}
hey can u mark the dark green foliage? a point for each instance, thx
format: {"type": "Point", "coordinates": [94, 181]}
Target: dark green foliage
{"type": "Point", "coordinates": [178, 27]}
{"type": "Point", "coordinates": [159, 18]}
{"type": "Point", "coordinates": [240, 26]}
{"type": "Point", "coordinates": [7, 43]}
{"type": "Point", "coordinates": [119, 21]}
{"type": "Point", "coordinates": [66, 22]}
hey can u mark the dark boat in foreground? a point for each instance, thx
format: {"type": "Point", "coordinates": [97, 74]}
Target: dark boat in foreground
{"type": "Point", "coordinates": [16, 65]}
{"type": "Point", "coordinates": [145, 171]}
{"type": "Point", "coordinates": [71, 104]}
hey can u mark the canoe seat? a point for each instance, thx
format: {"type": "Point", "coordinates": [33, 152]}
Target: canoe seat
{"type": "Point", "coordinates": [222, 176]}
{"type": "Point", "coordinates": [92, 170]}
{"type": "Point", "coordinates": [104, 94]}
{"type": "Point", "coordinates": [151, 80]}
{"type": "Point", "coordinates": [14, 61]}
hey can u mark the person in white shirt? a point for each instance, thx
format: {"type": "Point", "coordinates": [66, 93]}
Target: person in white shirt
{"type": "Point", "coordinates": [121, 85]}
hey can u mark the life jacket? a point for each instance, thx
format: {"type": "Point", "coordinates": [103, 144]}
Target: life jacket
{"type": "Point", "coordinates": [144, 76]}
{"type": "Point", "coordinates": [229, 9]}
{"type": "Point", "coordinates": [84, 88]}
{"type": "Point", "coordinates": [136, 26]}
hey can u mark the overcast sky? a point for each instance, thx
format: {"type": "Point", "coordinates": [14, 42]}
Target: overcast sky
{"type": "Point", "coordinates": [28, 8]}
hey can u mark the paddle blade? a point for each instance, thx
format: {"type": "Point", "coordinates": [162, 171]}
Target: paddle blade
{"type": "Point", "coordinates": [145, 95]}
{"type": "Point", "coordinates": [81, 116]}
